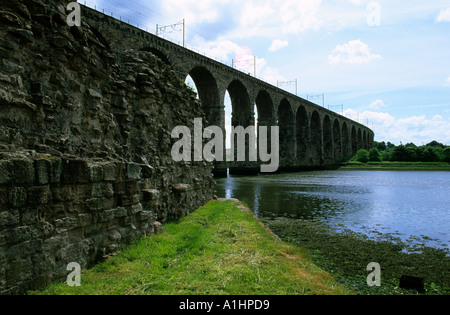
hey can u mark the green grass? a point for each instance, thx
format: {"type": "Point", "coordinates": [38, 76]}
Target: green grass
{"type": "Point", "coordinates": [428, 166]}
{"type": "Point", "coordinates": [218, 250]}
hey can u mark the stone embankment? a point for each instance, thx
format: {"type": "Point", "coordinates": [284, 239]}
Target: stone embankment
{"type": "Point", "coordinates": [85, 146]}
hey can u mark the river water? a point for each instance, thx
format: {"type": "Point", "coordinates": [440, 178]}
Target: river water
{"type": "Point", "coordinates": [411, 205]}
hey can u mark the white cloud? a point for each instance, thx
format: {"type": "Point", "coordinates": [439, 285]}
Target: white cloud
{"type": "Point", "coordinates": [376, 105]}
{"type": "Point", "coordinates": [353, 52]}
{"type": "Point", "coordinates": [278, 45]}
{"type": "Point", "coordinates": [448, 81]}
{"type": "Point", "coordinates": [417, 129]}
{"type": "Point", "coordinates": [243, 59]}
{"type": "Point", "coordinates": [299, 16]}
{"type": "Point", "coordinates": [194, 11]}
{"type": "Point", "coordinates": [444, 16]}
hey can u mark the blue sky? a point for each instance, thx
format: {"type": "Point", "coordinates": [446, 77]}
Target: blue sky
{"type": "Point", "coordinates": [386, 62]}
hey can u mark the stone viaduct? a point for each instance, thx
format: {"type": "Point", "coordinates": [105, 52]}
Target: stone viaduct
{"type": "Point", "coordinates": [311, 137]}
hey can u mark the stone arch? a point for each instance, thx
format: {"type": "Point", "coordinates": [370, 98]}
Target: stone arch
{"type": "Point", "coordinates": [242, 116]}
{"type": "Point", "coordinates": [264, 105]}
{"type": "Point", "coordinates": [316, 139]}
{"type": "Point", "coordinates": [208, 94]}
{"type": "Point", "coordinates": [159, 54]}
{"type": "Point", "coordinates": [287, 135]}
{"type": "Point", "coordinates": [327, 140]}
{"type": "Point", "coordinates": [303, 137]}
{"type": "Point", "coordinates": [240, 102]}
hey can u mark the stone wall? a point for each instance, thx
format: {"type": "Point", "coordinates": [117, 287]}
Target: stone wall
{"type": "Point", "coordinates": [85, 146]}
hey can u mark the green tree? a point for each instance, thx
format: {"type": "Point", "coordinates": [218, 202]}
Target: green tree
{"type": "Point", "coordinates": [381, 146]}
{"type": "Point", "coordinates": [374, 155]}
{"type": "Point", "coordinates": [447, 154]}
{"type": "Point", "coordinates": [427, 154]}
{"type": "Point", "coordinates": [390, 145]}
{"type": "Point", "coordinates": [362, 156]}
{"type": "Point", "coordinates": [435, 144]}
{"type": "Point", "coordinates": [386, 155]}
{"type": "Point", "coordinates": [399, 154]}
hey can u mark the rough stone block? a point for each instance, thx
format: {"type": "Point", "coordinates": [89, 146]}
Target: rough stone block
{"type": "Point", "coordinates": [29, 217]}
{"type": "Point", "coordinates": [145, 216]}
{"type": "Point", "coordinates": [53, 244]}
{"type": "Point", "coordinates": [12, 67]}
{"type": "Point", "coordinates": [5, 177]}
{"type": "Point", "coordinates": [134, 171]}
{"type": "Point", "coordinates": [96, 173]}
{"type": "Point", "coordinates": [150, 195]}
{"type": "Point", "coordinates": [136, 209]}
{"type": "Point", "coordinates": [147, 171]}
{"type": "Point", "coordinates": [114, 236]}
{"type": "Point", "coordinates": [84, 219]}
{"type": "Point", "coordinates": [9, 218]}
{"type": "Point", "coordinates": [42, 167]}
{"type": "Point", "coordinates": [15, 235]}
{"type": "Point", "coordinates": [110, 172]}
{"type": "Point", "coordinates": [120, 212]}
{"type": "Point", "coordinates": [65, 224]}
{"type": "Point", "coordinates": [182, 188]}
{"type": "Point", "coordinates": [17, 197]}
{"type": "Point", "coordinates": [39, 195]}
{"type": "Point", "coordinates": [4, 197]}
{"type": "Point", "coordinates": [75, 172]}
{"type": "Point", "coordinates": [107, 216]}
{"type": "Point", "coordinates": [102, 190]}
{"type": "Point", "coordinates": [55, 171]}
{"type": "Point", "coordinates": [99, 204]}
{"type": "Point", "coordinates": [126, 192]}
{"type": "Point", "coordinates": [22, 171]}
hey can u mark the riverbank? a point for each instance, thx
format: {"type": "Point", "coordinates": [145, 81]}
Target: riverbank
{"type": "Point", "coordinates": [400, 166]}
{"type": "Point", "coordinates": [346, 255]}
{"type": "Point", "coordinates": [220, 249]}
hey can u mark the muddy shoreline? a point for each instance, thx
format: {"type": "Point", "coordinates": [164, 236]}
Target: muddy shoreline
{"type": "Point", "coordinates": [346, 255]}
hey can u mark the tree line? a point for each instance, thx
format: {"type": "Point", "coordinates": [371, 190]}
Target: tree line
{"type": "Point", "coordinates": [382, 151]}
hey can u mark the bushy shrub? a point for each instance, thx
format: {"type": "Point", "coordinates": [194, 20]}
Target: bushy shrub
{"type": "Point", "coordinates": [362, 156]}
{"type": "Point", "coordinates": [374, 155]}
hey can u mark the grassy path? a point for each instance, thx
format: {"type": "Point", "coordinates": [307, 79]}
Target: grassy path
{"type": "Point", "coordinates": [221, 249]}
